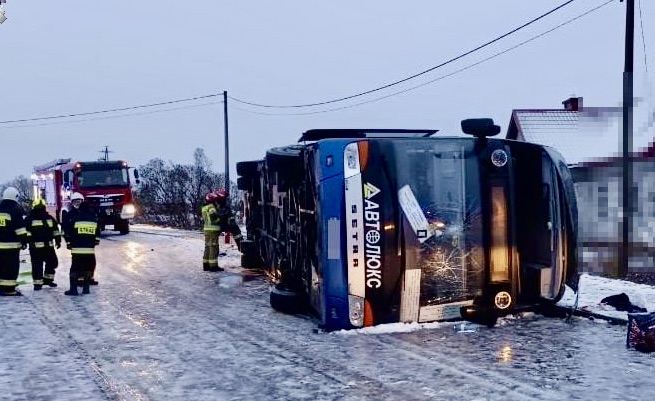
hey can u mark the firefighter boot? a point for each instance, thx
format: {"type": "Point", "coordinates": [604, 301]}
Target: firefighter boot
{"type": "Point", "coordinates": [37, 287]}
{"type": "Point", "coordinates": [205, 266]}
{"type": "Point", "coordinates": [73, 283]}
{"type": "Point", "coordinates": [85, 285]}
{"type": "Point", "coordinates": [49, 282]}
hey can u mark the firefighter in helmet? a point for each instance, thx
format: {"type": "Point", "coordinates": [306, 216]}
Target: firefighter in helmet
{"type": "Point", "coordinates": [13, 238]}
{"type": "Point", "coordinates": [81, 232]}
{"type": "Point", "coordinates": [42, 230]}
{"type": "Point", "coordinates": [217, 218]}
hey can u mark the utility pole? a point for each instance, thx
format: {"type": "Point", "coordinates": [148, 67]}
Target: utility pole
{"type": "Point", "coordinates": [628, 99]}
{"type": "Point", "coordinates": [105, 152]}
{"type": "Point", "coordinates": [227, 146]}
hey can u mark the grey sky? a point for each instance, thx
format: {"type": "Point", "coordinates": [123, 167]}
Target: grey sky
{"type": "Point", "coordinates": [75, 56]}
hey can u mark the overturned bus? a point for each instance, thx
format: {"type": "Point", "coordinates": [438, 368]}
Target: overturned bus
{"type": "Point", "coordinates": [360, 227]}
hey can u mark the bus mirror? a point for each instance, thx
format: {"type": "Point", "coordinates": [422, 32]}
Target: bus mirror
{"type": "Point", "coordinates": [480, 127]}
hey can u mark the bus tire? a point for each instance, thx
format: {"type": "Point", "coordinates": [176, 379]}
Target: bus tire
{"type": "Point", "coordinates": [250, 255]}
{"type": "Point", "coordinates": [244, 183]}
{"type": "Point", "coordinates": [247, 168]}
{"type": "Point", "coordinates": [287, 161]}
{"type": "Point", "coordinates": [286, 301]}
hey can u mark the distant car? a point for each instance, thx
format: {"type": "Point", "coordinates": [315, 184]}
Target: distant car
{"type": "Point", "coordinates": [365, 226]}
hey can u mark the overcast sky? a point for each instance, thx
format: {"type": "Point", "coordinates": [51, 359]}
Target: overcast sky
{"type": "Point", "coordinates": [76, 56]}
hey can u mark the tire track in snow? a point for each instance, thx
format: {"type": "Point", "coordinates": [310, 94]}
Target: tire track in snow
{"type": "Point", "coordinates": [51, 318]}
{"type": "Point", "coordinates": [460, 374]}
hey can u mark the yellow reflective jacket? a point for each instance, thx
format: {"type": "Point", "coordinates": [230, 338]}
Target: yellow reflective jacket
{"type": "Point", "coordinates": [211, 218]}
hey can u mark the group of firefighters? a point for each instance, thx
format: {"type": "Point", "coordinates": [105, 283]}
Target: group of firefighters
{"type": "Point", "coordinates": [40, 231]}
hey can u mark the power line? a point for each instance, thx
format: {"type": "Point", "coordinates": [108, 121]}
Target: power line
{"type": "Point", "coordinates": [643, 39]}
{"type": "Point", "coordinates": [190, 99]}
{"type": "Point", "coordinates": [411, 76]}
{"type": "Point", "coordinates": [112, 117]}
{"type": "Point", "coordinates": [567, 22]}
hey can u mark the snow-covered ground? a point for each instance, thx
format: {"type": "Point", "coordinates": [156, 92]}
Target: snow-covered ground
{"type": "Point", "coordinates": [159, 328]}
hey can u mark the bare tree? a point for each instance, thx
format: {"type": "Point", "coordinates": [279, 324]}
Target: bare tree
{"type": "Point", "coordinates": [24, 187]}
{"type": "Point", "coordinates": [173, 194]}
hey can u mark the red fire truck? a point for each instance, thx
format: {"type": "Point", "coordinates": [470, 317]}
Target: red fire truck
{"type": "Point", "coordinates": [106, 186]}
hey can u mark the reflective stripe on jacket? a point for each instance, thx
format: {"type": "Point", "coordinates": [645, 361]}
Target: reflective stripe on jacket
{"type": "Point", "coordinates": [42, 229]}
{"type": "Point", "coordinates": [12, 226]}
{"type": "Point", "coordinates": [210, 217]}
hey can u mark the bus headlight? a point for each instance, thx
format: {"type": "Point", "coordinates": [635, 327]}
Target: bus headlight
{"type": "Point", "coordinates": [503, 300]}
{"type": "Point", "coordinates": [499, 158]}
{"type": "Point", "coordinates": [351, 160]}
{"type": "Point", "coordinates": [356, 310]}
{"type": "Point", "coordinates": [128, 211]}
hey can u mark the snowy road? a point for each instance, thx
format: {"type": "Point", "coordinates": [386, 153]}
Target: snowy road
{"type": "Point", "coordinates": [158, 328]}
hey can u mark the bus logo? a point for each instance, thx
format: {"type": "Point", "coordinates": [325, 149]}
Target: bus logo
{"type": "Point", "coordinates": [370, 190]}
{"type": "Point", "coordinates": [372, 249]}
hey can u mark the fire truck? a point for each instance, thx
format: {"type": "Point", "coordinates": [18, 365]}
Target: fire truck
{"type": "Point", "coordinates": [105, 185]}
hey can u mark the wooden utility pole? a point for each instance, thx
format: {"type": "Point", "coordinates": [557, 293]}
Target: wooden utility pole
{"type": "Point", "coordinates": [105, 152]}
{"type": "Point", "coordinates": [628, 100]}
{"type": "Point", "coordinates": [227, 146]}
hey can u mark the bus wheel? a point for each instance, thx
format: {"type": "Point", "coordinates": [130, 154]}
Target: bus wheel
{"type": "Point", "coordinates": [247, 168]}
{"type": "Point", "coordinates": [250, 258]}
{"type": "Point", "coordinates": [286, 301]}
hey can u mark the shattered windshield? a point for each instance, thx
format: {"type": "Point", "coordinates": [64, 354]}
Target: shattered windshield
{"type": "Point", "coordinates": [439, 195]}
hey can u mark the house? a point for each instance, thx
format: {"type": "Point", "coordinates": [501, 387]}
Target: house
{"type": "Point", "coordinates": [590, 138]}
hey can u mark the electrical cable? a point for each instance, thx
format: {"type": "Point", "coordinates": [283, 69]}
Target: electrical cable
{"type": "Point", "coordinates": [569, 21]}
{"type": "Point", "coordinates": [411, 76]}
{"type": "Point", "coordinates": [112, 117]}
{"type": "Point", "coordinates": [643, 39]}
{"type": "Point", "coordinates": [190, 99]}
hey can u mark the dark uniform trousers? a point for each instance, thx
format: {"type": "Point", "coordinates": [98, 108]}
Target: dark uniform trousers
{"type": "Point", "coordinates": [40, 256]}
{"type": "Point", "coordinates": [9, 266]}
{"type": "Point", "coordinates": [82, 265]}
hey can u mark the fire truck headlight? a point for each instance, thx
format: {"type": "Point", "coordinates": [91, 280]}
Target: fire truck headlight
{"type": "Point", "coordinates": [128, 211]}
{"type": "Point", "coordinates": [356, 310]}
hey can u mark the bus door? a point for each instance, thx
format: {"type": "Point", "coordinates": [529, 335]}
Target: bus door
{"type": "Point", "coordinates": [538, 225]}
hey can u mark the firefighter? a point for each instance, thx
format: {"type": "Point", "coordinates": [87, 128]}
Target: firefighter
{"type": "Point", "coordinates": [217, 218]}
{"type": "Point", "coordinates": [42, 229]}
{"type": "Point", "coordinates": [13, 238]}
{"type": "Point", "coordinates": [68, 215]}
{"type": "Point", "coordinates": [81, 233]}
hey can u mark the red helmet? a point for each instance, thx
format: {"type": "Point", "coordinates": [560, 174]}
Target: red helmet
{"type": "Point", "coordinates": [222, 195]}
{"type": "Point", "coordinates": [211, 197]}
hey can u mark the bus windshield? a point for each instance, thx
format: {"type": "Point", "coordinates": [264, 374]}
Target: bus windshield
{"type": "Point", "coordinates": [439, 196]}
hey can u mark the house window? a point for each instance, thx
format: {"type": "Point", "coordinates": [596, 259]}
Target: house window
{"type": "Point", "coordinates": [603, 202]}
{"type": "Point", "coordinates": [651, 201]}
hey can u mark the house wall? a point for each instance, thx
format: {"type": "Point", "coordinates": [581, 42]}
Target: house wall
{"type": "Point", "coordinates": [598, 192]}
